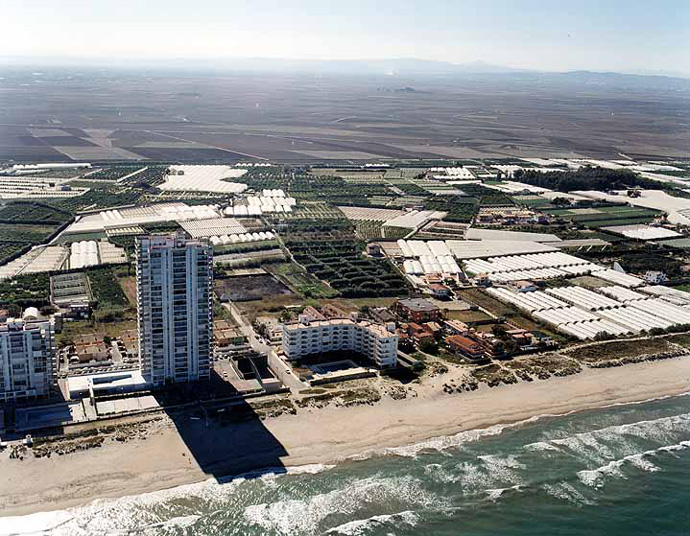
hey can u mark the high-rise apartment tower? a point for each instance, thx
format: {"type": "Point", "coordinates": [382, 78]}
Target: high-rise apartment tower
{"type": "Point", "coordinates": [175, 320]}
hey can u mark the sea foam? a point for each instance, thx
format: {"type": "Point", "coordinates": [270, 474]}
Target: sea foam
{"type": "Point", "coordinates": [308, 515]}
{"type": "Point", "coordinates": [595, 477]}
{"type": "Point", "coordinates": [139, 512]}
{"type": "Point", "coordinates": [360, 527]}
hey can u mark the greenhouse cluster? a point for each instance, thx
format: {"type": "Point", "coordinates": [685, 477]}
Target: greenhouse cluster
{"type": "Point", "coordinates": [223, 240]}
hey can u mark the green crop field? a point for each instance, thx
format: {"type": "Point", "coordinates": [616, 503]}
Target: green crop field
{"type": "Point", "coordinates": [678, 243]}
{"type": "Point", "coordinates": [33, 213]}
{"type": "Point", "coordinates": [32, 290]}
{"type": "Point", "coordinates": [336, 257]}
{"type": "Point", "coordinates": [24, 234]}
{"type": "Point", "coordinates": [623, 221]}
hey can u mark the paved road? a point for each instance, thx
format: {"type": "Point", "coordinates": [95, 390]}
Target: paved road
{"type": "Point", "coordinates": [278, 366]}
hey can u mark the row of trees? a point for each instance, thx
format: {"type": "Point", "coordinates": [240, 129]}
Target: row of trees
{"type": "Point", "coordinates": [585, 178]}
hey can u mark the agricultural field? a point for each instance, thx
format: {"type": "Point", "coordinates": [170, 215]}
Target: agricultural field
{"type": "Point", "coordinates": [409, 188]}
{"type": "Point", "coordinates": [337, 191]}
{"type": "Point", "coordinates": [311, 210]}
{"type": "Point", "coordinates": [336, 257]}
{"type": "Point", "coordinates": [222, 249]}
{"type": "Point", "coordinates": [34, 213]}
{"type": "Point", "coordinates": [536, 202]}
{"type": "Point", "coordinates": [566, 232]}
{"type": "Point", "coordinates": [68, 173]}
{"type": "Point", "coordinates": [31, 290]}
{"type": "Point", "coordinates": [459, 209]}
{"type": "Point", "coordinates": [369, 221]}
{"type": "Point", "coordinates": [113, 173]}
{"type": "Point", "coordinates": [97, 199]}
{"type": "Point", "coordinates": [463, 208]}
{"type": "Point", "coordinates": [367, 230]}
{"type": "Point", "coordinates": [371, 214]}
{"type": "Point", "coordinates": [602, 216]}
{"type": "Point", "coordinates": [151, 177]}
{"type": "Point", "coordinates": [677, 243]}
{"type": "Point", "coordinates": [394, 233]}
{"type": "Point", "coordinates": [340, 263]}
{"type": "Point", "coordinates": [337, 187]}
{"type": "Point", "coordinates": [23, 224]}
{"type": "Point", "coordinates": [640, 259]}
{"type": "Point", "coordinates": [300, 281]}
{"type": "Point", "coordinates": [24, 233]}
{"type": "Point", "coordinates": [11, 250]}
{"type": "Point", "coordinates": [137, 117]}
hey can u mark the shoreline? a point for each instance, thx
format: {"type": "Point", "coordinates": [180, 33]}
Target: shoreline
{"type": "Point", "coordinates": [188, 452]}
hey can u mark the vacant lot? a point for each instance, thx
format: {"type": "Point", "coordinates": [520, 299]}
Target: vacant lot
{"type": "Point", "coordinates": [129, 287]}
{"type": "Point", "coordinates": [483, 300]}
{"type": "Point", "coordinates": [467, 316]}
{"type": "Point", "coordinates": [301, 282]}
{"type": "Point", "coordinates": [620, 349]}
{"type": "Point", "coordinates": [248, 288]}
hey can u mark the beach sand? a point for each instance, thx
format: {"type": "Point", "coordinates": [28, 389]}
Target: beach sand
{"type": "Point", "coordinates": [190, 452]}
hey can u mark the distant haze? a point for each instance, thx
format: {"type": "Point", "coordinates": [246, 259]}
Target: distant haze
{"type": "Point", "coordinates": [617, 35]}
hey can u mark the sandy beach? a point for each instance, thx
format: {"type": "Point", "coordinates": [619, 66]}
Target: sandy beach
{"type": "Point", "coordinates": [188, 452]}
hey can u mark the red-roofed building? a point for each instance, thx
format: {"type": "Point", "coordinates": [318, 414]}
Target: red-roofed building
{"type": "Point", "coordinates": [465, 346]}
{"type": "Point", "coordinates": [439, 291]}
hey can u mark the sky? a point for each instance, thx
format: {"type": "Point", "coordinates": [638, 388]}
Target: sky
{"type": "Point", "coordinates": [553, 35]}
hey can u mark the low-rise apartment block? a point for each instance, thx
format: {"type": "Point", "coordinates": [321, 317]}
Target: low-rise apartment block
{"type": "Point", "coordinates": [465, 346]}
{"type": "Point", "coordinates": [417, 310]}
{"type": "Point", "coordinates": [375, 341]}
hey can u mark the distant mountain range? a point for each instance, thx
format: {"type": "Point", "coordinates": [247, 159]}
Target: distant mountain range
{"type": "Point", "coordinates": [392, 67]}
{"type": "Point", "coordinates": [400, 67]}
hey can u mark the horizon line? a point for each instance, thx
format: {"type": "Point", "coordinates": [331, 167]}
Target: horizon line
{"type": "Point", "coordinates": [203, 59]}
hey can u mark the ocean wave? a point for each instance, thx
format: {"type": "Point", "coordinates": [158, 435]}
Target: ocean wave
{"type": "Point", "coordinates": [613, 442]}
{"type": "Point", "coordinates": [181, 522]}
{"type": "Point", "coordinates": [309, 469]}
{"type": "Point", "coordinates": [360, 527]}
{"type": "Point", "coordinates": [541, 446]}
{"type": "Point", "coordinates": [139, 512]}
{"type": "Point", "coordinates": [566, 492]}
{"type": "Point", "coordinates": [495, 494]}
{"type": "Point", "coordinates": [306, 516]}
{"type": "Point", "coordinates": [502, 468]}
{"type": "Point", "coordinates": [39, 523]}
{"type": "Point", "coordinates": [474, 477]}
{"type": "Point", "coordinates": [595, 477]}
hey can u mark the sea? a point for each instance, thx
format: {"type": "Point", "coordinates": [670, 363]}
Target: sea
{"type": "Point", "coordinates": [620, 470]}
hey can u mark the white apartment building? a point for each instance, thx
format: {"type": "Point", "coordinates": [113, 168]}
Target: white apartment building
{"type": "Point", "coordinates": [27, 359]}
{"type": "Point", "coordinates": [175, 313]}
{"type": "Point", "coordinates": [375, 341]}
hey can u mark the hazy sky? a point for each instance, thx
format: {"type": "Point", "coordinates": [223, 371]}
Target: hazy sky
{"type": "Point", "coordinates": [620, 35]}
